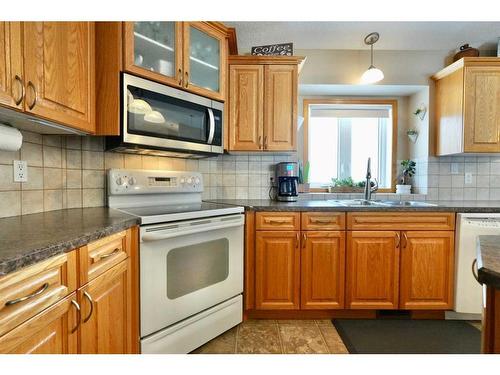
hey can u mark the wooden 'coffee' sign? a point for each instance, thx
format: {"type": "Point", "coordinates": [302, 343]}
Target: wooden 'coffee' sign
{"type": "Point", "coordinates": [284, 49]}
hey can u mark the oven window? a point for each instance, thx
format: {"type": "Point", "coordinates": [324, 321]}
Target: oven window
{"type": "Point", "coordinates": [157, 115]}
{"type": "Point", "coordinates": [194, 267]}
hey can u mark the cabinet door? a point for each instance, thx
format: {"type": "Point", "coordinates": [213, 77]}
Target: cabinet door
{"type": "Point", "coordinates": [372, 269]}
{"type": "Point", "coordinates": [154, 50]}
{"type": "Point", "coordinates": [277, 270]}
{"type": "Point", "coordinates": [427, 268]}
{"type": "Point", "coordinates": [482, 109]}
{"type": "Point", "coordinates": [205, 60]}
{"type": "Point", "coordinates": [280, 107]}
{"type": "Point", "coordinates": [106, 313]}
{"type": "Point", "coordinates": [322, 270]}
{"type": "Point", "coordinates": [60, 72]}
{"type": "Point", "coordinates": [11, 65]}
{"type": "Point", "coordinates": [49, 332]}
{"type": "Point", "coordinates": [246, 107]}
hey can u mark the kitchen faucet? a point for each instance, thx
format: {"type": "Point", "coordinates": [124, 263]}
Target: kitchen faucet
{"type": "Point", "coordinates": [368, 185]}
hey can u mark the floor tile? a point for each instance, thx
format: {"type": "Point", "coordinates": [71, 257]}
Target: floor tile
{"type": "Point", "coordinates": [223, 344]}
{"type": "Point", "coordinates": [258, 338]}
{"type": "Point", "coordinates": [302, 338]}
{"type": "Point", "coordinates": [332, 339]}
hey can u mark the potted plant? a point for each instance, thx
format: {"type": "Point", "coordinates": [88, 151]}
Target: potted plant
{"type": "Point", "coordinates": [412, 135]}
{"type": "Point", "coordinates": [345, 185]}
{"type": "Point", "coordinates": [408, 168]}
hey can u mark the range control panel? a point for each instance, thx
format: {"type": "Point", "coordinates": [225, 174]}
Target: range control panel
{"type": "Point", "coordinates": [138, 181]}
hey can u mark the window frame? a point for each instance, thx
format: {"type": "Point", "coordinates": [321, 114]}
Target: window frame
{"type": "Point", "coordinates": [394, 108]}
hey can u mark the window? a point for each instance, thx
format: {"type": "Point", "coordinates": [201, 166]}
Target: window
{"type": "Point", "coordinates": [342, 134]}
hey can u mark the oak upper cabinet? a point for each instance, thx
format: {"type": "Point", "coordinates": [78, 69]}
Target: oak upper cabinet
{"type": "Point", "coordinates": [11, 65]}
{"type": "Point", "coordinates": [427, 270]}
{"type": "Point", "coordinates": [59, 71]}
{"type": "Point", "coordinates": [372, 269]}
{"type": "Point", "coordinates": [188, 55]}
{"type": "Point", "coordinates": [106, 312]}
{"type": "Point", "coordinates": [154, 50]}
{"type": "Point", "coordinates": [53, 331]}
{"type": "Point", "coordinates": [468, 106]}
{"type": "Point", "coordinates": [322, 269]}
{"type": "Point", "coordinates": [246, 107]}
{"type": "Point", "coordinates": [263, 103]}
{"type": "Point", "coordinates": [277, 270]}
{"type": "Point", "coordinates": [280, 116]}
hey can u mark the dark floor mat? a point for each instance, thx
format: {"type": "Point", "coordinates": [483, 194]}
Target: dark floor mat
{"type": "Point", "coordinates": [405, 336]}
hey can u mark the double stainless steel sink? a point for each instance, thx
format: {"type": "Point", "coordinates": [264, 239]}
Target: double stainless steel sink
{"type": "Point", "coordinates": [379, 203]}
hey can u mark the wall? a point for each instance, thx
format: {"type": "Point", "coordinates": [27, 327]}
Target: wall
{"type": "Point", "coordinates": [70, 172]}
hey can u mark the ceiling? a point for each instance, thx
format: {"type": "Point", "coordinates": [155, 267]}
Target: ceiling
{"type": "Point", "coordinates": [357, 90]}
{"type": "Point", "coordinates": [349, 35]}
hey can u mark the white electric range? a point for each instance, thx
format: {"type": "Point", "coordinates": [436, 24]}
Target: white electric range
{"type": "Point", "coordinates": [191, 258]}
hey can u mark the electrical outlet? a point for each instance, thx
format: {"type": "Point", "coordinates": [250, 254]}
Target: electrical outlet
{"type": "Point", "coordinates": [468, 178]}
{"type": "Point", "coordinates": [20, 171]}
{"type": "Point", "coordinates": [454, 168]}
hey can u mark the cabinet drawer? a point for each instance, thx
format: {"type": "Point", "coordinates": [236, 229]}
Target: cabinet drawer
{"type": "Point", "coordinates": [26, 292]}
{"type": "Point", "coordinates": [400, 220]}
{"type": "Point", "coordinates": [278, 220]}
{"type": "Point", "coordinates": [323, 220]}
{"type": "Point", "coordinates": [99, 256]}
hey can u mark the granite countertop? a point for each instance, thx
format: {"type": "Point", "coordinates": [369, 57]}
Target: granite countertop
{"type": "Point", "coordinates": [488, 260]}
{"type": "Point", "coordinates": [327, 205]}
{"type": "Point", "coordinates": [28, 239]}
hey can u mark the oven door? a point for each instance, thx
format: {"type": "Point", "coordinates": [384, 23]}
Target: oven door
{"type": "Point", "coordinates": [187, 267]}
{"type": "Point", "coordinates": [163, 117]}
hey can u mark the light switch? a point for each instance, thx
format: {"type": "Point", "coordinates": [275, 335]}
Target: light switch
{"type": "Point", "coordinates": [454, 168]}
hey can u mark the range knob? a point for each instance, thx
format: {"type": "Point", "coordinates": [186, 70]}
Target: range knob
{"type": "Point", "coordinates": [182, 180]}
{"type": "Point", "coordinates": [132, 181]}
{"type": "Point", "coordinates": [119, 181]}
{"type": "Point", "coordinates": [197, 180]}
{"type": "Point", "coordinates": [189, 180]}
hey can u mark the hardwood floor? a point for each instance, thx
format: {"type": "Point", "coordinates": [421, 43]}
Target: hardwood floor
{"type": "Point", "coordinates": [277, 337]}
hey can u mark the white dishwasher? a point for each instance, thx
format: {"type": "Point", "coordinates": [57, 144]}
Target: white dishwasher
{"type": "Point", "coordinates": [468, 292]}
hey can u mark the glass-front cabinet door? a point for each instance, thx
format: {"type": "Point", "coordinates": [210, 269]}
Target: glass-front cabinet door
{"type": "Point", "coordinates": [204, 60]}
{"type": "Point", "coordinates": [154, 50]}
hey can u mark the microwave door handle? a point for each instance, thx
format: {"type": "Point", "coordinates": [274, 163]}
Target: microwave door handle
{"type": "Point", "coordinates": [211, 132]}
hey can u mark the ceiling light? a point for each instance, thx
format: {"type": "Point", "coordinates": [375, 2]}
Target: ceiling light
{"type": "Point", "coordinates": [372, 74]}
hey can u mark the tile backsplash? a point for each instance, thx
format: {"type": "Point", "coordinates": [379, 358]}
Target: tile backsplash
{"type": "Point", "coordinates": [70, 172]}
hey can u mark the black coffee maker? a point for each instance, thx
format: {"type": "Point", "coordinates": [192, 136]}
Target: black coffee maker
{"type": "Point", "coordinates": [287, 176]}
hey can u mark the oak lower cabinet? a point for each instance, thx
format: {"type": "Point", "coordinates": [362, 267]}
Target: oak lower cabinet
{"type": "Point", "coordinates": [277, 267]}
{"type": "Point", "coordinates": [322, 270]}
{"type": "Point", "coordinates": [427, 270]}
{"type": "Point", "coordinates": [106, 313]}
{"type": "Point", "coordinates": [409, 270]}
{"type": "Point", "coordinates": [52, 331]}
{"type": "Point", "coordinates": [372, 269]}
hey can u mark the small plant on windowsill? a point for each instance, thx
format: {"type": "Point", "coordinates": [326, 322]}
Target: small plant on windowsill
{"type": "Point", "coordinates": [304, 177]}
{"type": "Point", "coordinates": [408, 169]}
{"type": "Point", "coordinates": [345, 185]}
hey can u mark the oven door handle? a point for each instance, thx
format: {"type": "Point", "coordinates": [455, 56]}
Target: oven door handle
{"type": "Point", "coordinates": [211, 132]}
{"type": "Point", "coordinates": [158, 236]}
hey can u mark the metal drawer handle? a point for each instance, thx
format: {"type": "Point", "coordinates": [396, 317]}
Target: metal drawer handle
{"type": "Point", "coordinates": [304, 239]}
{"type": "Point", "coordinates": [79, 318]}
{"type": "Point", "coordinates": [275, 221]}
{"type": "Point", "coordinates": [180, 77]}
{"type": "Point", "coordinates": [187, 79]}
{"type": "Point", "coordinates": [321, 221]}
{"type": "Point", "coordinates": [42, 289]}
{"type": "Point", "coordinates": [91, 306]}
{"type": "Point", "coordinates": [20, 80]}
{"type": "Point", "coordinates": [260, 142]}
{"type": "Point", "coordinates": [474, 270]}
{"type": "Point", "coordinates": [406, 239]}
{"type": "Point", "coordinates": [399, 239]}
{"type": "Point", "coordinates": [32, 105]}
{"type": "Point", "coordinates": [104, 256]}
{"type": "Point", "coordinates": [265, 142]}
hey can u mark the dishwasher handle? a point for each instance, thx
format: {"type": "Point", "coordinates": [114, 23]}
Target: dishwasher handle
{"type": "Point", "coordinates": [170, 233]}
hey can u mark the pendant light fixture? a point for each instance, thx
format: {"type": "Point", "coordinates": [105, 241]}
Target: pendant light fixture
{"type": "Point", "coordinates": [373, 74]}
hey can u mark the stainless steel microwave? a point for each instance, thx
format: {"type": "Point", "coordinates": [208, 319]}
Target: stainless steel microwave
{"type": "Point", "coordinates": [161, 120]}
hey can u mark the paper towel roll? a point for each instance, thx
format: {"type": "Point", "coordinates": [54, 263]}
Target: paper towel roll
{"type": "Point", "coordinates": [10, 138]}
